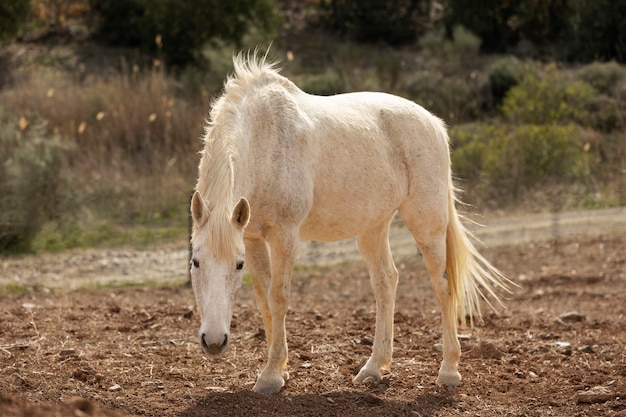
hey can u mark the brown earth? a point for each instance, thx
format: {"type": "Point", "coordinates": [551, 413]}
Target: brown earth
{"type": "Point", "coordinates": [119, 351]}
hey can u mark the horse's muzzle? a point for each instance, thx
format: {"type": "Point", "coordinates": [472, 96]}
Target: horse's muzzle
{"type": "Point", "coordinates": [213, 348]}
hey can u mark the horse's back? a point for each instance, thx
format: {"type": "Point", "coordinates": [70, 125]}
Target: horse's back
{"type": "Point", "coordinates": [371, 151]}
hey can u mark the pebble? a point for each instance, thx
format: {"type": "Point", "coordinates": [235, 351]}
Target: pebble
{"type": "Point", "coordinates": [587, 349]}
{"type": "Point", "coordinates": [598, 394]}
{"type": "Point", "coordinates": [67, 352]}
{"type": "Point", "coordinates": [115, 387]}
{"type": "Point", "coordinates": [563, 347]}
{"type": "Point", "coordinates": [572, 316]}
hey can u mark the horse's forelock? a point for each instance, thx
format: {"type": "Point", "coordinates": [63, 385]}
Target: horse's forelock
{"type": "Point", "coordinates": [223, 238]}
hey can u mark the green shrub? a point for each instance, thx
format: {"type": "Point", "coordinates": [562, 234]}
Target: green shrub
{"type": "Point", "coordinates": [533, 155]}
{"type": "Point", "coordinates": [548, 100]}
{"type": "Point", "coordinates": [451, 98]}
{"type": "Point", "coordinates": [603, 76]}
{"type": "Point", "coordinates": [469, 143]}
{"type": "Point", "coordinates": [464, 46]}
{"type": "Point", "coordinates": [31, 187]}
{"type": "Point", "coordinates": [504, 161]}
{"type": "Point", "coordinates": [504, 74]}
{"type": "Point", "coordinates": [327, 83]}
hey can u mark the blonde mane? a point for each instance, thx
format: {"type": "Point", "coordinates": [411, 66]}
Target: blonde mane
{"type": "Point", "coordinates": [222, 154]}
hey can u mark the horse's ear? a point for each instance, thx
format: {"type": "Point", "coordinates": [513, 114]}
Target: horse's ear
{"type": "Point", "coordinates": [199, 209]}
{"type": "Point", "coordinates": [241, 213]}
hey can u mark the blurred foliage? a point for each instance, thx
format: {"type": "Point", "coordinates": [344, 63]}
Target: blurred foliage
{"type": "Point", "coordinates": [504, 74]}
{"type": "Point", "coordinates": [325, 84]}
{"type": "Point", "coordinates": [92, 143]}
{"type": "Point", "coordinates": [503, 24]}
{"type": "Point", "coordinates": [32, 190]}
{"type": "Point", "coordinates": [548, 100]}
{"type": "Point", "coordinates": [598, 30]}
{"type": "Point", "coordinates": [394, 22]}
{"type": "Point", "coordinates": [13, 14]}
{"type": "Point", "coordinates": [179, 29]}
{"type": "Point", "coordinates": [506, 160]}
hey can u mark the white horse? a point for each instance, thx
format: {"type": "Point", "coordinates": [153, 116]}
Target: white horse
{"type": "Point", "coordinates": [279, 164]}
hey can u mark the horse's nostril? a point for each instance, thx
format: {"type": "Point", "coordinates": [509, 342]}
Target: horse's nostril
{"type": "Point", "coordinates": [213, 348]}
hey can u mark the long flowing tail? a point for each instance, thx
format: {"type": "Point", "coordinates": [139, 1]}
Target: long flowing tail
{"type": "Point", "coordinates": [470, 276]}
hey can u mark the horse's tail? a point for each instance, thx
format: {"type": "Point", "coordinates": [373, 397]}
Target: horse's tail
{"type": "Point", "coordinates": [470, 275]}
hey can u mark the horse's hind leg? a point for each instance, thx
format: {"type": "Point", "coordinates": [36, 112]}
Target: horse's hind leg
{"type": "Point", "coordinates": [374, 248]}
{"type": "Point", "coordinates": [429, 230]}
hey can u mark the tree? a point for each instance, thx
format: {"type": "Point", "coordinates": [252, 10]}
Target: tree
{"type": "Point", "coordinates": [502, 24]}
{"type": "Point", "coordinates": [394, 22]}
{"type": "Point", "coordinates": [599, 28]}
{"type": "Point", "coordinates": [179, 28]}
{"type": "Point", "coordinates": [12, 15]}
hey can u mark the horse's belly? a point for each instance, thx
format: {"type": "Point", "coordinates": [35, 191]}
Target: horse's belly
{"type": "Point", "coordinates": [344, 221]}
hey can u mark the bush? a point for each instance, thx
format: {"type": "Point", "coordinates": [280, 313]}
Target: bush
{"type": "Point", "coordinates": [548, 100]}
{"type": "Point", "coordinates": [31, 187]}
{"type": "Point", "coordinates": [451, 98]}
{"type": "Point", "coordinates": [464, 46]}
{"type": "Point", "coordinates": [505, 161]}
{"type": "Point", "coordinates": [327, 83]}
{"type": "Point", "coordinates": [603, 76]}
{"type": "Point", "coordinates": [504, 74]}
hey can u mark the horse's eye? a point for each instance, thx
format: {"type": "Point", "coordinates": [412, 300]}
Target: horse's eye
{"type": "Point", "coordinates": [239, 265]}
{"type": "Point", "coordinates": [196, 263]}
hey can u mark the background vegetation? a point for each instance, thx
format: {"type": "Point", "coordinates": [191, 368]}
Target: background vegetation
{"type": "Point", "coordinates": [102, 102]}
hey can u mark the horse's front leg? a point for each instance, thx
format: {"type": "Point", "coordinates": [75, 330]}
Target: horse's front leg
{"type": "Point", "coordinates": [283, 252]}
{"type": "Point", "coordinates": [258, 263]}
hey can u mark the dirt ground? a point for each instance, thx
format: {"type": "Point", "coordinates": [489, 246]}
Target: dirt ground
{"type": "Point", "coordinates": [557, 350]}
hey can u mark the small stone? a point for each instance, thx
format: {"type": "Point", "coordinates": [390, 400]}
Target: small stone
{"type": "Point", "coordinates": [586, 349]}
{"type": "Point", "coordinates": [598, 394]}
{"type": "Point", "coordinates": [367, 341]}
{"type": "Point", "coordinates": [115, 387]}
{"type": "Point", "coordinates": [564, 347]}
{"type": "Point", "coordinates": [330, 400]}
{"type": "Point", "coordinates": [532, 374]}
{"type": "Point", "coordinates": [215, 389]}
{"type": "Point", "coordinates": [438, 347]}
{"type": "Point", "coordinates": [572, 316]}
{"type": "Point", "coordinates": [67, 352]}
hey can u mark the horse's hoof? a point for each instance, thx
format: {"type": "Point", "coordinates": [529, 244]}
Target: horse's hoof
{"type": "Point", "coordinates": [449, 378]}
{"type": "Point", "coordinates": [269, 387]}
{"type": "Point", "coordinates": [367, 377]}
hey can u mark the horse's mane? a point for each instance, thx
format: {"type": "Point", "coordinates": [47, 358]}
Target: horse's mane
{"type": "Point", "coordinates": [216, 177]}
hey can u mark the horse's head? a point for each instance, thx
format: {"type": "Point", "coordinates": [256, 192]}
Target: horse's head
{"type": "Point", "coordinates": [216, 268]}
